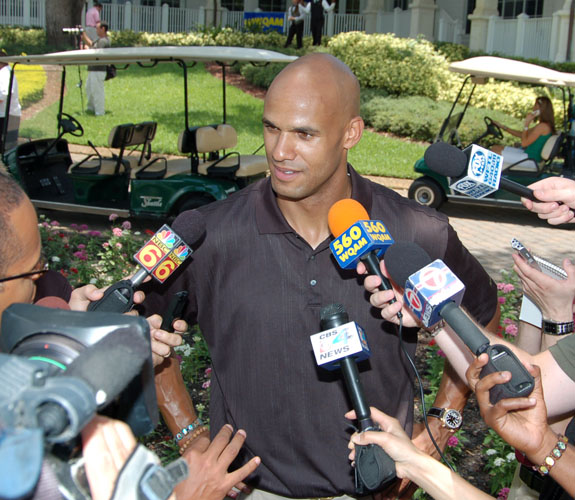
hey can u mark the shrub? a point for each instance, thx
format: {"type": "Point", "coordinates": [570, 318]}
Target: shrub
{"type": "Point", "coordinates": [400, 66]}
{"type": "Point", "coordinates": [421, 117]}
{"type": "Point", "coordinates": [262, 76]}
{"type": "Point", "coordinates": [16, 40]}
{"type": "Point", "coordinates": [31, 81]}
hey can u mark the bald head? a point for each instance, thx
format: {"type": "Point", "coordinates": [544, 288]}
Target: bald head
{"type": "Point", "coordinates": [11, 198]}
{"type": "Point", "coordinates": [324, 75]}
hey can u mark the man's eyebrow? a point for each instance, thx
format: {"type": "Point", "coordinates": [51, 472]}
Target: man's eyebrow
{"type": "Point", "coordinates": [298, 130]}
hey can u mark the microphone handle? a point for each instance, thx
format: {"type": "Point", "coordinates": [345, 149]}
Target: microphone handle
{"type": "Point", "coordinates": [355, 391]}
{"type": "Point", "coordinates": [516, 188]}
{"type": "Point", "coordinates": [465, 328]}
{"type": "Point", "coordinates": [118, 298]}
{"type": "Point", "coordinates": [371, 261]}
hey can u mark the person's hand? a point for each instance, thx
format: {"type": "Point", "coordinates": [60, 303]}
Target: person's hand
{"type": "Point", "coordinates": [163, 341]}
{"type": "Point", "coordinates": [551, 191]}
{"type": "Point", "coordinates": [553, 296]}
{"type": "Point", "coordinates": [522, 422]}
{"type": "Point", "coordinates": [393, 440]}
{"type": "Point", "coordinates": [81, 297]}
{"type": "Point", "coordinates": [209, 478]}
{"type": "Point", "coordinates": [107, 444]}
{"type": "Point", "coordinates": [381, 298]}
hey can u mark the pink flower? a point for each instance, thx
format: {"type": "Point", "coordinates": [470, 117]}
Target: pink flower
{"type": "Point", "coordinates": [508, 288]}
{"type": "Point", "coordinates": [94, 234]}
{"type": "Point", "coordinates": [502, 494]}
{"type": "Point", "coordinates": [208, 371]}
{"type": "Point", "coordinates": [83, 227]}
{"type": "Point", "coordinates": [126, 224]}
{"type": "Point", "coordinates": [501, 300]}
{"type": "Point", "coordinates": [54, 223]}
{"type": "Point", "coordinates": [500, 286]}
{"type": "Point", "coordinates": [80, 255]}
{"type": "Point", "coordinates": [511, 330]}
{"type": "Point", "coordinates": [117, 231]}
{"type": "Point", "coordinates": [113, 217]}
{"type": "Point", "coordinates": [452, 441]}
{"type": "Point", "coordinates": [206, 384]}
{"type": "Point", "coordinates": [45, 224]}
{"type": "Point", "coordinates": [81, 246]}
{"type": "Point", "coordinates": [73, 226]}
{"type": "Point", "coordinates": [507, 321]}
{"type": "Point", "coordinates": [441, 353]}
{"type": "Point", "coordinates": [119, 246]}
{"type": "Point", "coordinates": [105, 244]}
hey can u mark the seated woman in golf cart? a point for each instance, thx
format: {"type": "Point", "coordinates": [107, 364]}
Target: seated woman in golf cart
{"type": "Point", "coordinates": [532, 138]}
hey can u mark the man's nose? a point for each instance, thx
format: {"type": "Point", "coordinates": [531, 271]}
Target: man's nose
{"type": "Point", "coordinates": [284, 147]}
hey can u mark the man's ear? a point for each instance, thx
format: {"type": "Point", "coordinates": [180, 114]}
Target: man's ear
{"type": "Point", "coordinates": [354, 132]}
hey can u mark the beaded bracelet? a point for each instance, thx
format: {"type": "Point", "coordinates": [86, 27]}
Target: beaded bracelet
{"type": "Point", "coordinates": [555, 455]}
{"type": "Point", "coordinates": [198, 432]}
{"type": "Point", "coordinates": [186, 430]}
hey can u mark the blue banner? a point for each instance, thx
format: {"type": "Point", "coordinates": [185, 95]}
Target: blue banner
{"type": "Point", "coordinates": [264, 21]}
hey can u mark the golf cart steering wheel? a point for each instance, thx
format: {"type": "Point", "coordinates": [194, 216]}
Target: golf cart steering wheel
{"type": "Point", "coordinates": [70, 125]}
{"type": "Point", "coordinates": [493, 129]}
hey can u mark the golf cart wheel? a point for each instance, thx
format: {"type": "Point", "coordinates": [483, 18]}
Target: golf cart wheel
{"type": "Point", "coordinates": [427, 192]}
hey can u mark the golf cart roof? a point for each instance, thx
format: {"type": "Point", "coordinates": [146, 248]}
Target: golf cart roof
{"type": "Point", "coordinates": [509, 69]}
{"type": "Point", "coordinates": [127, 55]}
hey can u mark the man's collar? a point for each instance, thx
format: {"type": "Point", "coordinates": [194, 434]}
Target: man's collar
{"type": "Point", "coordinates": [270, 220]}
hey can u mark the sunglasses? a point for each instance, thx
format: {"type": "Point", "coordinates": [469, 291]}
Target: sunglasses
{"type": "Point", "coordinates": [39, 269]}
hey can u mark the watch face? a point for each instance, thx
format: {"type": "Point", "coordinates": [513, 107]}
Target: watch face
{"type": "Point", "coordinates": [452, 419]}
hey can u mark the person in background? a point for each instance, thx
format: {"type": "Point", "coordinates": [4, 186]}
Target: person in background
{"type": "Point", "coordinates": [295, 19]}
{"type": "Point", "coordinates": [15, 108]}
{"type": "Point", "coordinates": [317, 8]}
{"type": "Point", "coordinates": [97, 74]}
{"type": "Point", "coordinates": [92, 20]}
{"type": "Point", "coordinates": [532, 138]}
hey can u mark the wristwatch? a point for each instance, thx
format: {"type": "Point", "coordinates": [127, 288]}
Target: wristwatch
{"type": "Point", "coordinates": [551, 327]}
{"type": "Point", "coordinates": [449, 417]}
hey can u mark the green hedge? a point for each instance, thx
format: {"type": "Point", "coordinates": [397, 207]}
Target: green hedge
{"type": "Point", "coordinates": [420, 118]}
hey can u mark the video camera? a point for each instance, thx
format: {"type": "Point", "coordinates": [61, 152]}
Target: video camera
{"type": "Point", "coordinates": [76, 30]}
{"type": "Point", "coordinates": [58, 368]}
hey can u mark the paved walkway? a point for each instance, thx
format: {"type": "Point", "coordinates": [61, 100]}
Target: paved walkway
{"type": "Point", "coordinates": [487, 233]}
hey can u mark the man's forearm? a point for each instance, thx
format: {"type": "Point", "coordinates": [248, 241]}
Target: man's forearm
{"type": "Point", "coordinates": [174, 400]}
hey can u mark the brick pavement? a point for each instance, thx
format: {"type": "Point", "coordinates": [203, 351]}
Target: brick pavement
{"type": "Point", "coordinates": [487, 232]}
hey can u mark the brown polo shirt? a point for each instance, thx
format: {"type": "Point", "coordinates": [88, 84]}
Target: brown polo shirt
{"type": "Point", "coordinates": [256, 290]}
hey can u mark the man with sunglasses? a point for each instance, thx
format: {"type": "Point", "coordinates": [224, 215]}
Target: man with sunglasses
{"type": "Point", "coordinates": [24, 277]}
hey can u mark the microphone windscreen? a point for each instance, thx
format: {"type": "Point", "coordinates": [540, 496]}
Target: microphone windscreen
{"type": "Point", "coordinates": [111, 363]}
{"type": "Point", "coordinates": [332, 316]}
{"type": "Point", "coordinates": [404, 258]}
{"type": "Point", "coordinates": [343, 214]}
{"type": "Point", "coordinates": [445, 159]}
{"type": "Point", "coordinates": [53, 303]}
{"type": "Point", "coordinates": [190, 226]}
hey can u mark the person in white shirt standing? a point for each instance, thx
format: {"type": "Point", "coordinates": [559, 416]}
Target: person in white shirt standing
{"type": "Point", "coordinates": [295, 19]}
{"type": "Point", "coordinates": [97, 74]}
{"type": "Point", "coordinates": [317, 8]}
{"type": "Point", "coordinates": [15, 111]}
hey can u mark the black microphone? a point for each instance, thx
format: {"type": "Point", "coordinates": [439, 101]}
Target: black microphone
{"type": "Point", "coordinates": [475, 171]}
{"type": "Point", "coordinates": [432, 292]}
{"type": "Point", "coordinates": [159, 258]}
{"type": "Point", "coordinates": [340, 344]}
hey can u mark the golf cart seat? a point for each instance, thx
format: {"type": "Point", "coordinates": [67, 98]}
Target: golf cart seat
{"type": "Point", "coordinates": [550, 150]}
{"type": "Point", "coordinates": [120, 137]}
{"type": "Point", "coordinates": [204, 146]}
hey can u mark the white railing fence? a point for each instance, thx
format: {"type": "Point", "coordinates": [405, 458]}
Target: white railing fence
{"type": "Point", "coordinates": [448, 29]}
{"type": "Point", "coordinates": [23, 13]}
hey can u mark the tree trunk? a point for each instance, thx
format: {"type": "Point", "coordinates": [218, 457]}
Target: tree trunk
{"type": "Point", "coordinates": [62, 14]}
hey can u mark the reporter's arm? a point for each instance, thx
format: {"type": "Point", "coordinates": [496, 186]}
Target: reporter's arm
{"type": "Point", "coordinates": [413, 464]}
{"type": "Point", "coordinates": [163, 341]}
{"type": "Point", "coordinates": [209, 478]}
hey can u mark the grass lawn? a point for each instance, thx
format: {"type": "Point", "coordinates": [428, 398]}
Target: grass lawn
{"type": "Point", "coordinates": [141, 94]}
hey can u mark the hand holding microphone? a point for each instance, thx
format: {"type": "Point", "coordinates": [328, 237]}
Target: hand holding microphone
{"type": "Point", "coordinates": [158, 258]}
{"type": "Point", "coordinates": [433, 293]}
{"type": "Point", "coordinates": [554, 200]}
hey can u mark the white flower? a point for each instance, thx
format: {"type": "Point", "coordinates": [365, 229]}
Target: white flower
{"type": "Point", "coordinates": [55, 258]}
{"type": "Point", "coordinates": [498, 462]}
{"type": "Point", "coordinates": [490, 452]}
{"type": "Point", "coordinates": [510, 457]}
{"type": "Point", "coordinates": [184, 349]}
{"type": "Point", "coordinates": [93, 281]}
{"type": "Point", "coordinates": [137, 233]}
